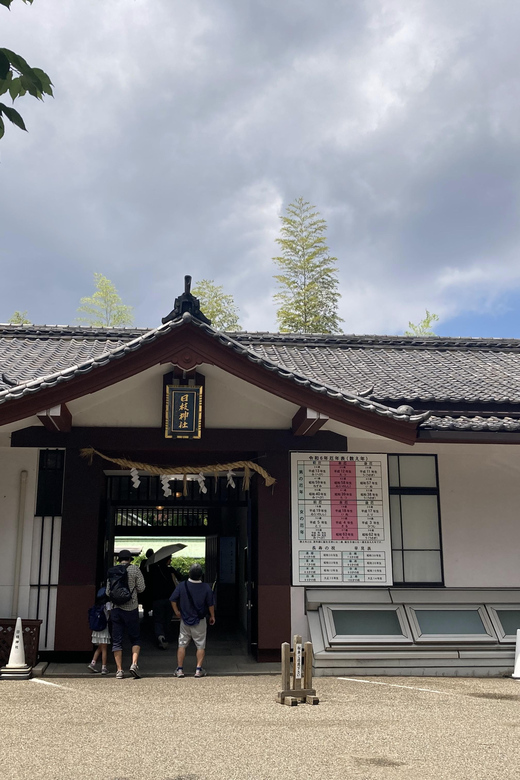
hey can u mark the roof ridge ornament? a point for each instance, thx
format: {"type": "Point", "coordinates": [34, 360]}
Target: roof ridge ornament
{"type": "Point", "coordinates": [186, 304]}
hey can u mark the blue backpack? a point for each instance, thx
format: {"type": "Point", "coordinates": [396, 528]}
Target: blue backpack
{"type": "Point", "coordinates": [97, 619]}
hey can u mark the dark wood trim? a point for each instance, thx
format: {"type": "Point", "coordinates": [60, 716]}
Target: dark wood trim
{"type": "Point", "coordinates": [307, 422]}
{"type": "Point", "coordinates": [152, 439]}
{"type": "Point", "coordinates": [58, 418]}
{"type": "Point", "coordinates": [468, 437]}
{"type": "Point", "coordinates": [188, 346]}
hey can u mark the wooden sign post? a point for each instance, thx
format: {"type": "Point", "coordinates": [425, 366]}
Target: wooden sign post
{"type": "Point", "coordinates": [292, 688]}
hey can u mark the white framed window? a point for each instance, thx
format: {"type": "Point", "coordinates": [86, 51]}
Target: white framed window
{"type": "Point", "coordinates": [415, 520]}
{"type": "Point", "coordinates": [450, 623]}
{"type": "Point", "coordinates": [365, 624]}
{"type": "Point", "coordinates": [506, 620]}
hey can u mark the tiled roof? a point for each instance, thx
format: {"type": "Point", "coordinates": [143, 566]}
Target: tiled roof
{"type": "Point", "coordinates": [35, 358]}
{"type": "Point", "coordinates": [377, 373]}
{"type": "Point", "coordinates": [475, 423]}
{"type": "Point", "coordinates": [404, 369]}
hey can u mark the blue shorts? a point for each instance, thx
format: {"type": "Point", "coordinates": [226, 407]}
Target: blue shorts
{"type": "Point", "coordinates": [124, 619]}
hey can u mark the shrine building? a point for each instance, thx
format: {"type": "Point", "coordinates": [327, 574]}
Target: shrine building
{"type": "Point", "coordinates": [361, 491]}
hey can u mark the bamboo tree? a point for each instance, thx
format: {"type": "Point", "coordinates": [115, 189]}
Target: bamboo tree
{"type": "Point", "coordinates": [104, 309]}
{"type": "Point", "coordinates": [216, 305]}
{"type": "Point", "coordinates": [19, 318]}
{"type": "Point", "coordinates": [308, 295]}
{"type": "Point", "coordinates": [424, 327]}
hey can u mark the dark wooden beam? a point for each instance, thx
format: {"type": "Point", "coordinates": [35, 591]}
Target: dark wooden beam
{"type": "Point", "coordinates": [58, 418]}
{"type": "Point", "coordinates": [214, 440]}
{"type": "Point", "coordinates": [306, 422]}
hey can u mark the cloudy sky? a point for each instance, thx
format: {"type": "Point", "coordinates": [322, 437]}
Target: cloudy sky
{"type": "Point", "coordinates": [181, 128]}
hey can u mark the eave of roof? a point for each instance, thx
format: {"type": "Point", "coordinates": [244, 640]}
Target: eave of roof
{"type": "Point", "coordinates": [17, 394]}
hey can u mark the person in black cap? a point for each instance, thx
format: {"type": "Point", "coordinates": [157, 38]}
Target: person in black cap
{"type": "Point", "coordinates": [124, 582]}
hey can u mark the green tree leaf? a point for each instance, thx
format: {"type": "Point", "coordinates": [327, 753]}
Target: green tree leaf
{"type": "Point", "coordinates": [308, 295]}
{"type": "Point", "coordinates": [7, 3]}
{"type": "Point", "coordinates": [44, 80]}
{"type": "Point", "coordinates": [19, 318]}
{"type": "Point", "coordinates": [5, 65]}
{"type": "Point", "coordinates": [13, 116]}
{"type": "Point", "coordinates": [104, 309]}
{"type": "Point", "coordinates": [217, 306]}
{"type": "Point", "coordinates": [424, 327]}
{"type": "Point", "coordinates": [15, 88]}
{"type": "Point", "coordinates": [26, 79]}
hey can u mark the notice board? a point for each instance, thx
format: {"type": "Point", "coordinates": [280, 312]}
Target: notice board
{"type": "Point", "coordinates": [340, 519]}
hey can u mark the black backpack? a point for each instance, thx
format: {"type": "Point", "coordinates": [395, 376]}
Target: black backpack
{"type": "Point", "coordinates": [97, 619]}
{"type": "Point", "coordinates": [120, 592]}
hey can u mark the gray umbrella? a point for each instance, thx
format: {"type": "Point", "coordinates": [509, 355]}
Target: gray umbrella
{"type": "Point", "coordinates": [163, 553]}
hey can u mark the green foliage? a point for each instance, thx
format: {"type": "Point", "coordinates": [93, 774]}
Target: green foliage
{"type": "Point", "coordinates": [104, 308]}
{"type": "Point", "coordinates": [424, 327]}
{"type": "Point", "coordinates": [217, 306]}
{"type": "Point", "coordinates": [17, 77]}
{"type": "Point", "coordinates": [308, 298]}
{"type": "Point", "coordinates": [180, 563]}
{"type": "Point", "coordinates": [8, 3]}
{"type": "Point", "coordinates": [19, 317]}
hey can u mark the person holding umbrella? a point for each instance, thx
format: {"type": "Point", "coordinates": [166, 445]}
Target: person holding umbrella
{"type": "Point", "coordinates": [161, 578]}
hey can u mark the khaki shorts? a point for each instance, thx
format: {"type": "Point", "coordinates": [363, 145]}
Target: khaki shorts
{"type": "Point", "coordinates": [197, 633]}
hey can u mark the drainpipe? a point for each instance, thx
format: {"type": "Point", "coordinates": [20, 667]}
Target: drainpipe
{"type": "Point", "coordinates": [19, 543]}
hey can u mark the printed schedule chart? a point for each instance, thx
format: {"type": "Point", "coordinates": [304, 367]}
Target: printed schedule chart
{"type": "Point", "coordinates": [340, 519]}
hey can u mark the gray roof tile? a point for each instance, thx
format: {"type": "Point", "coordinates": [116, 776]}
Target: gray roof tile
{"type": "Point", "coordinates": [36, 358]}
{"type": "Point", "coordinates": [444, 373]}
{"type": "Point", "coordinates": [472, 423]}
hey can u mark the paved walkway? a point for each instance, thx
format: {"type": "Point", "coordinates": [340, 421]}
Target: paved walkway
{"type": "Point", "coordinates": [231, 728]}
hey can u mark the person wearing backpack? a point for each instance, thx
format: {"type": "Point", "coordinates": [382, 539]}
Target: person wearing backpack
{"type": "Point", "coordinates": [192, 600]}
{"type": "Point", "coordinates": [124, 582]}
{"type": "Point", "coordinates": [98, 616]}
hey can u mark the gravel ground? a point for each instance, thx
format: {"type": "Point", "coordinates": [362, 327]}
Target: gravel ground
{"type": "Point", "coordinates": [231, 728]}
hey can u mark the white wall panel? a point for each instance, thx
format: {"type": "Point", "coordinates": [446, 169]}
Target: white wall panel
{"type": "Point", "coordinates": [12, 463]}
{"type": "Point", "coordinates": [137, 403]}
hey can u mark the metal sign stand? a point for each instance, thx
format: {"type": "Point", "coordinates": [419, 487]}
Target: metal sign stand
{"type": "Point", "coordinates": [293, 689]}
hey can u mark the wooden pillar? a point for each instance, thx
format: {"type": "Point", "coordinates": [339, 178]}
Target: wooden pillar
{"type": "Point", "coordinates": [83, 485]}
{"type": "Point", "coordinates": [274, 559]}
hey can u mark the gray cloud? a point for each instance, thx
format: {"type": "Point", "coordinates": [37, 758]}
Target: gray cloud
{"type": "Point", "coordinates": [179, 131]}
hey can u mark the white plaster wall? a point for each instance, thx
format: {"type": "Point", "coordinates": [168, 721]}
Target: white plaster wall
{"type": "Point", "coordinates": [12, 463]}
{"type": "Point", "coordinates": [133, 403]}
{"type": "Point", "coordinates": [479, 487]}
{"type": "Point", "coordinates": [299, 622]}
{"type": "Point", "coordinates": [233, 403]}
{"type": "Point", "coordinates": [480, 506]}
{"type": "Point", "coordinates": [137, 403]}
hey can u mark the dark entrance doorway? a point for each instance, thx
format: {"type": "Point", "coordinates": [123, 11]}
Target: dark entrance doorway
{"type": "Point", "coordinates": [223, 518]}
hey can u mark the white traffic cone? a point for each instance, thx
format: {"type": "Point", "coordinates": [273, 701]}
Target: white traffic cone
{"type": "Point", "coordinates": [516, 671]}
{"type": "Point", "coordinates": [16, 668]}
